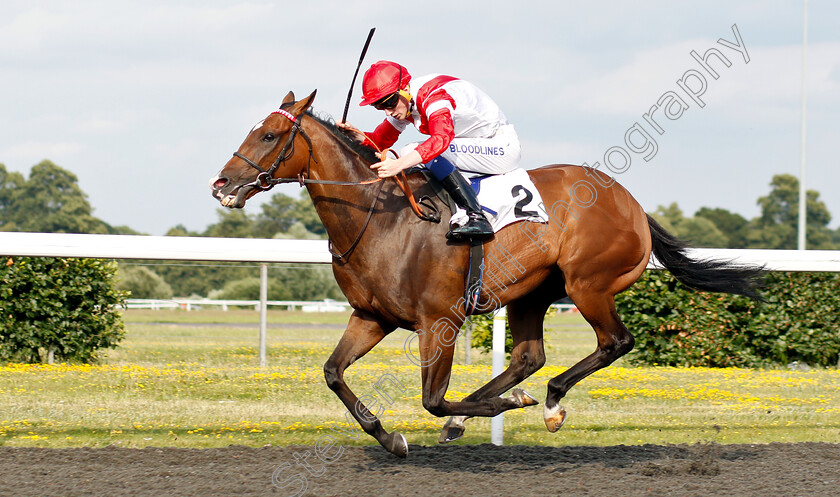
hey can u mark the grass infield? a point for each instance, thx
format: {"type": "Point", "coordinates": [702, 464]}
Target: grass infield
{"type": "Point", "coordinates": [191, 379]}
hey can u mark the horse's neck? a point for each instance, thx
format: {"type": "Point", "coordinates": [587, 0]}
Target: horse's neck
{"type": "Point", "coordinates": [342, 208]}
{"type": "Point", "coordinates": [335, 161]}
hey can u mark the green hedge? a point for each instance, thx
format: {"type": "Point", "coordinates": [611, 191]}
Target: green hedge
{"type": "Point", "coordinates": [59, 309]}
{"type": "Point", "coordinates": [676, 326]}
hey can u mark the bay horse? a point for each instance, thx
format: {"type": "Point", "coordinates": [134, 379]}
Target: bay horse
{"type": "Point", "coordinates": [397, 270]}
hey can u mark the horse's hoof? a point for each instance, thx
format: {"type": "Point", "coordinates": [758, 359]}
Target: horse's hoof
{"type": "Point", "coordinates": [453, 429]}
{"type": "Point", "coordinates": [396, 444]}
{"type": "Point", "coordinates": [522, 398]}
{"type": "Point", "coordinates": [450, 434]}
{"type": "Point", "coordinates": [554, 417]}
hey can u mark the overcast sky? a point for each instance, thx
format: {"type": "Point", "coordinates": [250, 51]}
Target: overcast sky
{"type": "Point", "coordinates": [145, 101]}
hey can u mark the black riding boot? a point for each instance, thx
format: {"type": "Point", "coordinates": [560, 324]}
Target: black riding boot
{"type": "Point", "coordinates": [477, 227]}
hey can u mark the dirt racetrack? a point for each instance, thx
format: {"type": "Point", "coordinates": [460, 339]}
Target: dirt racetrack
{"type": "Point", "coordinates": [484, 470]}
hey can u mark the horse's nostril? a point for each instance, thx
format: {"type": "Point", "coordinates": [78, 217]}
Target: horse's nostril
{"type": "Point", "coordinates": [220, 183]}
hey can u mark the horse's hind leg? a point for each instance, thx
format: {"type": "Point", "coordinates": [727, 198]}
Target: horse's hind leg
{"type": "Point", "coordinates": [613, 342]}
{"type": "Point", "coordinates": [528, 355]}
{"type": "Point", "coordinates": [362, 334]}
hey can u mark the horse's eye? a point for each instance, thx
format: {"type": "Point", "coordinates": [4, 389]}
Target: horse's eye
{"type": "Point", "coordinates": [269, 137]}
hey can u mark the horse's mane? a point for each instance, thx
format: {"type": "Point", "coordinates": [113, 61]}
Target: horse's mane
{"type": "Point", "coordinates": [366, 153]}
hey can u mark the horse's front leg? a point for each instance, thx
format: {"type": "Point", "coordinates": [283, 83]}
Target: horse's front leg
{"type": "Point", "coordinates": [526, 318]}
{"type": "Point", "coordinates": [437, 346]}
{"type": "Point", "coordinates": [362, 334]}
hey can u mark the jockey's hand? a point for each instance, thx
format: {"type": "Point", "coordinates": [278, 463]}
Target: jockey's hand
{"type": "Point", "coordinates": [351, 131]}
{"type": "Point", "coordinates": [388, 168]}
{"type": "Point", "coordinates": [392, 167]}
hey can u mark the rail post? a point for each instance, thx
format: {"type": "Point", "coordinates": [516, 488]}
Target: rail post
{"type": "Point", "coordinates": [263, 310]}
{"type": "Point", "coordinates": [497, 423]}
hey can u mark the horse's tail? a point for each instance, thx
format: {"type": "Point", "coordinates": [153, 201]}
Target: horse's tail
{"type": "Point", "coordinates": [706, 275]}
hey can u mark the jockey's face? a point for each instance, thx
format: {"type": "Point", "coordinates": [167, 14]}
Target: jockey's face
{"type": "Point", "coordinates": [399, 111]}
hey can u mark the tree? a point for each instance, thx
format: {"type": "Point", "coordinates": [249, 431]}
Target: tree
{"type": "Point", "coordinates": [181, 230]}
{"type": "Point", "coordinates": [281, 217]}
{"type": "Point", "coordinates": [669, 217]}
{"type": "Point", "coordinates": [234, 223]}
{"type": "Point", "coordinates": [699, 231]}
{"type": "Point", "coordinates": [122, 230]}
{"type": "Point", "coordinates": [282, 212]}
{"type": "Point", "coordinates": [733, 226]}
{"type": "Point", "coordinates": [276, 217]}
{"type": "Point", "coordinates": [776, 228]}
{"type": "Point", "coordinates": [298, 231]}
{"type": "Point", "coordinates": [9, 184]}
{"type": "Point", "coordinates": [305, 212]}
{"type": "Point", "coordinates": [49, 201]}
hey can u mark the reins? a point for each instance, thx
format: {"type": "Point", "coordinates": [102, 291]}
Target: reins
{"type": "Point", "coordinates": [344, 254]}
{"type": "Point", "coordinates": [402, 182]}
{"type": "Point", "coordinates": [265, 179]}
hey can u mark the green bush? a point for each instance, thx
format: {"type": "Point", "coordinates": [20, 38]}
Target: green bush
{"type": "Point", "coordinates": [58, 309]}
{"type": "Point", "coordinates": [482, 333]}
{"type": "Point", "coordinates": [198, 277]}
{"type": "Point", "coordinates": [676, 326]}
{"type": "Point", "coordinates": [284, 283]}
{"type": "Point", "coordinates": [249, 289]}
{"type": "Point", "coordinates": [143, 283]}
{"type": "Point", "coordinates": [309, 283]}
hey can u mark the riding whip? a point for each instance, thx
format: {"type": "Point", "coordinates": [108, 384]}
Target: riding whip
{"type": "Point", "coordinates": [361, 58]}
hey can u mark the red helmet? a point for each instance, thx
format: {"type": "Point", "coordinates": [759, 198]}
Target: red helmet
{"type": "Point", "coordinates": [382, 79]}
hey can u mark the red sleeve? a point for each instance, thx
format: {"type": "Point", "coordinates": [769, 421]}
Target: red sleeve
{"type": "Point", "coordinates": [442, 131]}
{"type": "Point", "coordinates": [383, 136]}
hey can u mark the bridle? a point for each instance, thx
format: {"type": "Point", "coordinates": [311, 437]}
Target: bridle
{"type": "Point", "coordinates": [265, 180]}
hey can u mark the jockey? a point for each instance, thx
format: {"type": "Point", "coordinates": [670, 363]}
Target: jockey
{"type": "Point", "coordinates": [467, 132]}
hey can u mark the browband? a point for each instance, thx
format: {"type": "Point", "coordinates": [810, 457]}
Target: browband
{"type": "Point", "coordinates": [285, 114]}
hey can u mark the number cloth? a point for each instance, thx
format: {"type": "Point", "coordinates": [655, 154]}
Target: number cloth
{"type": "Point", "coordinates": [506, 199]}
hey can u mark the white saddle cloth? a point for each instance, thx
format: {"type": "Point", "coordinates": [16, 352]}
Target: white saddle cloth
{"type": "Point", "coordinates": [505, 199]}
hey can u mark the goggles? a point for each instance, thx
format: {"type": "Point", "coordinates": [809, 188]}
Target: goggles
{"type": "Point", "coordinates": [388, 102]}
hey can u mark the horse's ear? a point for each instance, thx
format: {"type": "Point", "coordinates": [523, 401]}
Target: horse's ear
{"type": "Point", "coordinates": [300, 107]}
{"type": "Point", "coordinates": [290, 97]}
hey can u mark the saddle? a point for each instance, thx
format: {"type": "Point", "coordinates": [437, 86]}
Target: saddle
{"type": "Point", "coordinates": [476, 259]}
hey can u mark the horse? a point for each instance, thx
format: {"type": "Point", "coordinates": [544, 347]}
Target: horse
{"type": "Point", "coordinates": [399, 271]}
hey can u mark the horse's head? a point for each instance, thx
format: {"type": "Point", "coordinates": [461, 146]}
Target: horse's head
{"type": "Point", "coordinates": [266, 156]}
